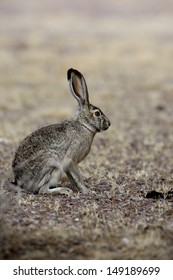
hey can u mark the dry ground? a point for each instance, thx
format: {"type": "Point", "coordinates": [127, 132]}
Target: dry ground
{"type": "Point", "coordinates": [125, 52]}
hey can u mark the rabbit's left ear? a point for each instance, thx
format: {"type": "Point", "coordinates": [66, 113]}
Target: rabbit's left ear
{"type": "Point", "coordinates": [78, 87]}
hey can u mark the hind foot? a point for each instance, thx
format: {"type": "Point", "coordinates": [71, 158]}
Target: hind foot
{"type": "Point", "coordinates": [56, 190]}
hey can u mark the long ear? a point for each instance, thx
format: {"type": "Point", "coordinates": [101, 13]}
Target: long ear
{"type": "Point", "coordinates": [78, 87]}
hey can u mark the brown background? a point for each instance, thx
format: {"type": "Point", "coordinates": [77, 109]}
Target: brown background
{"type": "Point", "coordinates": [125, 51]}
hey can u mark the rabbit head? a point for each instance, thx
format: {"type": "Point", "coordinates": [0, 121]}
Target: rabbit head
{"type": "Point", "coordinates": [90, 116]}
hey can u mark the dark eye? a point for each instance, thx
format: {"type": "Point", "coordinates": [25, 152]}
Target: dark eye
{"type": "Point", "coordinates": [97, 113]}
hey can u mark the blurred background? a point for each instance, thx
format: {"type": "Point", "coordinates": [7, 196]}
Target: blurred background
{"type": "Point", "coordinates": [125, 51]}
{"type": "Point", "coordinates": [123, 48]}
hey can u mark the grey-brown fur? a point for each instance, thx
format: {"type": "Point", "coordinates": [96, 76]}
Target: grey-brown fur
{"type": "Point", "coordinates": [45, 155]}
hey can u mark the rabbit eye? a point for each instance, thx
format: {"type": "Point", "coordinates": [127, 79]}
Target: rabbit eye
{"type": "Point", "coordinates": [97, 113]}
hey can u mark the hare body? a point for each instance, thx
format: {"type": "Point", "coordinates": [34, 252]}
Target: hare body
{"type": "Point", "coordinates": [44, 156]}
{"type": "Point", "coordinates": [47, 153]}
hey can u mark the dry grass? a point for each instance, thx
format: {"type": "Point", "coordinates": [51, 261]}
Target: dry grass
{"type": "Point", "coordinates": [125, 53]}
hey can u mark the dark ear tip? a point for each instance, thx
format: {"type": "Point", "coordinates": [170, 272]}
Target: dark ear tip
{"type": "Point", "coordinates": [74, 71]}
{"type": "Point", "coordinates": [69, 72]}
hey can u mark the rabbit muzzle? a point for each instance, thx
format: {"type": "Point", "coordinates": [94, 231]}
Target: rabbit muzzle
{"type": "Point", "coordinates": [105, 123]}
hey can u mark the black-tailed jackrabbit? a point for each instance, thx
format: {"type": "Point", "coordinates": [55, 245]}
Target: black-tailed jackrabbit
{"type": "Point", "coordinates": [45, 155]}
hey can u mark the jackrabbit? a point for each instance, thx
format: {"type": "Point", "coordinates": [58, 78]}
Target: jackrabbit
{"type": "Point", "coordinates": [45, 155]}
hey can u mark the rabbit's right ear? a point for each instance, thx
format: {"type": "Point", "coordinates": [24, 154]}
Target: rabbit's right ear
{"type": "Point", "coordinates": [78, 87]}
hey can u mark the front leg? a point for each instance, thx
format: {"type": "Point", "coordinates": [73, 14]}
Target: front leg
{"type": "Point", "coordinates": [75, 178]}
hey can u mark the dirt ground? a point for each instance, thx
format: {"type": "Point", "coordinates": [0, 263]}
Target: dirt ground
{"type": "Point", "coordinates": [125, 51]}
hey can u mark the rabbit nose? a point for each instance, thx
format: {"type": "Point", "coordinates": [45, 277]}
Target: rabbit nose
{"type": "Point", "coordinates": [108, 121]}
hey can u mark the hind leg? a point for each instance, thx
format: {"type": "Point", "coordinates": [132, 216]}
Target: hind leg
{"type": "Point", "coordinates": [49, 183]}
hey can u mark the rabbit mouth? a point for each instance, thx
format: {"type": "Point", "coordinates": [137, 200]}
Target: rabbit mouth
{"type": "Point", "coordinates": [105, 128]}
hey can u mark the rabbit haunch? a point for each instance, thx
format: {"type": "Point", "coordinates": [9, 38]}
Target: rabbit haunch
{"type": "Point", "coordinates": [44, 156]}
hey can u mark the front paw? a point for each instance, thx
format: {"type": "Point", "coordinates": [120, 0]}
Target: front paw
{"type": "Point", "coordinates": [84, 190]}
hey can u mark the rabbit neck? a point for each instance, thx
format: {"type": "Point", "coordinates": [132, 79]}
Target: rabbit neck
{"type": "Point", "coordinates": [90, 128]}
{"type": "Point", "coordinates": [83, 122]}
